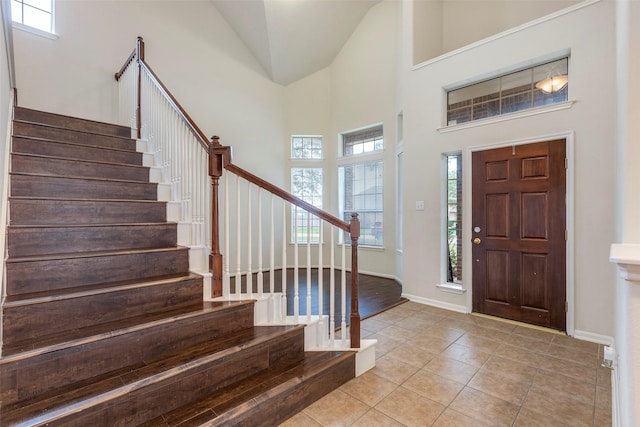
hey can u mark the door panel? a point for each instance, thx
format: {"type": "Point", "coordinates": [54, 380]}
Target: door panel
{"type": "Point", "coordinates": [518, 202]}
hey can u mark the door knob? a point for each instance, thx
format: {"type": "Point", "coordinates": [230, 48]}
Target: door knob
{"type": "Point", "coordinates": [477, 241]}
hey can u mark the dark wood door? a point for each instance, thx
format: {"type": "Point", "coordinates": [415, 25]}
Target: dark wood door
{"type": "Point", "coordinates": [519, 233]}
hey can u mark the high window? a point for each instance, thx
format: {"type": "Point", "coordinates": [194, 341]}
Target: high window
{"type": "Point", "coordinates": [306, 183]}
{"type": "Point", "coordinates": [453, 227]}
{"type": "Point", "coordinates": [361, 175]}
{"type": "Point", "coordinates": [533, 87]}
{"type": "Point", "coordinates": [36, 14]}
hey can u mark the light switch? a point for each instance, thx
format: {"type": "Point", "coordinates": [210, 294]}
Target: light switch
{"type": "Point", "coordinates": [419, 205]}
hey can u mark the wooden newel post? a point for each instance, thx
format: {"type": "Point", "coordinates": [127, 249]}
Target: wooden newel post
{"type": "Point", "coordinates": [218, 156]}
{"type": "Point", "coordinates": [354, 231]}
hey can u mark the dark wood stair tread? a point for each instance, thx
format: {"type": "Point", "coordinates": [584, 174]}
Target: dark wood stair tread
{"type": "Point", "coordinates": [124, 181]}
{"type": "Point", "coordinates": [106, 330]}
{"type": "Point", "coordinates": [60, 120]}
{"type": "Point", "coordinates": [90, 254]}
{"type": "Point", "coordinates": [249, 393]}
{"type": "Point", "coordinates": [141, 374]}
{"type": "Point", "coordinates": [72, 143]}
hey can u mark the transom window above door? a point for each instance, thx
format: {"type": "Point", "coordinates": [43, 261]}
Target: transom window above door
{"type": "Point", "coordinates": [526, 89]}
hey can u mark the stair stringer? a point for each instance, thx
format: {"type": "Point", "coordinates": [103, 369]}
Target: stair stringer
{"type": "Point", "coordinates": [190, 234]}
{"type": "Point", "coordinates": [268, 312]}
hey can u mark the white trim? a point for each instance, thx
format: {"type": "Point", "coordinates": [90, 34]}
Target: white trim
{"type": "Point", "coordinates": [435, 303]}
{"type": "Point", "coordinates": [36, 31]}
{"type": "Point", "coordinates": [627, 258]}
{"type": "Point", "coordinates": [506, 33]}
{"type": "Point", "coordinates": [593, 337]}
{"type": "Point", "coordinates": [451, 288]}
{"type": "Point", "coordinates": [467, 272]}
{"type": "Point", "coordinates": [506, 117]}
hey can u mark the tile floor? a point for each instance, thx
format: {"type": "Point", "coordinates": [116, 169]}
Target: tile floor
{"type": "Point", "coordinates": [440, 368]}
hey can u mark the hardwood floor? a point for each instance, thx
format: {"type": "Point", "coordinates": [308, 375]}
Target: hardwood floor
{"type": "Point", "coordinates": [375, 295]}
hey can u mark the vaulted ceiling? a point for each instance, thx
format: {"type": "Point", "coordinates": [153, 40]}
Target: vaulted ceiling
{"type": "Point", "coordinates": [293, 38]}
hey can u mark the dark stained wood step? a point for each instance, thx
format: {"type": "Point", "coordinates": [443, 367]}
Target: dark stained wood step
{"type": "Point", "coordinates": [51, 273]}
{"type": "Point", "coordinates": [59, 120]}
{"type": "Point", "coordinates": [269, 397]}
{"type": "Point", "coordinates": [31, 185]}
{"type": "Point", "coordinates": [31, 241]}
{"type": "Point", "coordinates": [67, 135]}
{"type": "Point", "coordinates": [42, 165]}
{"type": "Point", "coordinates": [62, 361]}
{"type": "Point", "coordinates": [167, 383]}
{"type": "Point", "coordinates": [49, 313]}
{"type": "Point", "coordinates": [38, 211]}
{"type": "Point", "coordinates": [45, 147]}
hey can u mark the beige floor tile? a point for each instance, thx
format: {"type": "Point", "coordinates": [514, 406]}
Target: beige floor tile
{"type": "Point", "coordinates": [433, 386]}
{"type": "Point", "coordinates": [602, 417]}
{"type": "Point", "coordinates": [385, 344]}
{"type": "Point", "coordinates": [412, 355]}
{"type": "Point", "coordinates": [580, 345]}
{"type": "Point", "coordinates": [535, 334]}
{"type": "Point", "coordinates": [494, 324]}
{"type": "Point", "coordinates": [336, 409]}
{"type": "Point", "coordinates": [560, 407]}
{"type": "Point", "coordinates": [412, 306]}
{"type": "Point", "coordinates": [410, 408]}
{"type": "Point", "coordinates": [479, 343]}
{"type": "Point", "coordinates": [500, 386]}
{"type": "Point", "coordinates": [452, 369]}
{"type": "Point", "coordinates": [393, 369]}
{"type": "Point", "coordinates": [451, 418]}
{"type": "Point", "coordinates": [443, 333]}
{"type": "Point", "coordinates": [528, 344]}
{"type": "Point", "coordinates": [391, 316]}
{"type": "Point", "coordinates": [569, 369]}
{"type": "Point", "coordinates": [588, 359]}
{"type": "Point", "coordinates": [510, 368]}
{"type": "Point", "coordinates": [529, 418]}
{"type": "Point", "coordinates": [417, 324]}
{"type": "Point", "coordinates": [375, 418]}
{"type": "Point", "coordinates": [483, 407]}
{"type": "Point", "coordinates": [603, 377]}
{"type": "Point", "coordinates": [300, 420]}
{"type": "Point", "coordinates": [519, 354]}
{"type": "Point", "coordinates": [430, 344]}
{"type": "Point", "coordinates": [492, 334]}
{"type": "Point", "coordinates": [581, 391]}
{"type": "Point", "coordinates": [398, 333]}
{"type": "Point", "coordinates": [603, 398]}
{"type": "Point", "coordinates": [468, 355]}
{"type": "Point", "coordinates": [455, 323]}
{"type": "Point", "coordinates": [374, 324]}
{"type": "Point", "coordinates": [369, 388]}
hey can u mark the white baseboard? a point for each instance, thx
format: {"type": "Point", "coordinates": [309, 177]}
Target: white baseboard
{"type": "Point", "coordinates": [593, 337]}
{"type": "Point", "coordinates": [436, 303]}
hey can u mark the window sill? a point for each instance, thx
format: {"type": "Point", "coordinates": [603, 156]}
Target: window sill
{"type": "Point", "coordinates": [451, 288]}
{"type": "Point", "coordinates": [506, 117]}
{"type": "Point", "coordinates": [36, 31]}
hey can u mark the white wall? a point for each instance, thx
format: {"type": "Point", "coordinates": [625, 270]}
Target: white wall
{"type": "Point", "coordinates": [589, 34]}
{"type": "Point", "coordinates": [189, 46]}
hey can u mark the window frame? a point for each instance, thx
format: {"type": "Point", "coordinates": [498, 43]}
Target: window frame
{"type": "Point", "coordinates": [362, 158]}
{"type": "Point", "coordinates": [50, 33]}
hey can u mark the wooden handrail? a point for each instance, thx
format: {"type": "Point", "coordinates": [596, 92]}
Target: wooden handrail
{"type": "Point", "coordinates": [326, 216]}
{"type": "Point", "coordinates": [130, 59]}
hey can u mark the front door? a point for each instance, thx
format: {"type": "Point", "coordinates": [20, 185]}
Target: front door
{"type": "Point", "coordinates": [519, 233]}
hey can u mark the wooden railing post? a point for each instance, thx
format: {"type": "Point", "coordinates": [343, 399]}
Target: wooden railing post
{"type": "Point", "coordinates": [218, 156]}
{"type": "Point", "coordinates": [354, 231]}
{"type": "Point", "coordinates": [139, 58]}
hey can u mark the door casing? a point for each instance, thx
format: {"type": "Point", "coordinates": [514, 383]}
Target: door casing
{"type": "Point", "coordinates": [570, 192]}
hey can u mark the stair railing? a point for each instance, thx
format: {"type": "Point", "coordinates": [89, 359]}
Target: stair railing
{"type": "Point", "coordinates": [194, 167]}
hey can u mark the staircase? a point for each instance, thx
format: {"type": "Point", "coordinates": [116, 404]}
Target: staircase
{"type": "Point", "coordinates": [104, 325]}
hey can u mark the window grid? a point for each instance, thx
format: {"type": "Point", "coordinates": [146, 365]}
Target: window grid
{"type": "Point", "coordinates": [33, 13]}
{"type": "Point", "coordinates": [306, 147]}
{"type": "Point", "coordinates": [506, 94]}
{"type": "Point", "coordinates": [365, 141]}
{"type": "Point", "coordinates": [306, 183]}
{"type": "Point", "coordinates": [363, 194]}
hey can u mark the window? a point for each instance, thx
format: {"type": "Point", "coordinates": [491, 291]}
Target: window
{"type": "Point", "coordinates": [36, 14]}
{"type": "Point", "coordinates": [306, 183]}
{"type": "Point", "coordinates": [533, 87]}
{"type": "Point", "coordinates": [361, 183]}
{"type": "Point", "coordinates": [453, 239]}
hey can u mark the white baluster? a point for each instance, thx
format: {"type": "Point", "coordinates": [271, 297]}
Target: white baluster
{"type": "Point", "coordinates": [332, 291]}
{"type": "Point", "coordinates": [238, 243]}
{"type": "Point", "coordinates": [308, 266]}
{"type": "Point", "coordinates": [323, 338]}
{"type": "Point", "coordinates": [284, 261]}
{"type": "Point", "coordinates": [343, 290]}
{"type": "Point", "coordinates": [260, 277]}
{"type": "Point", "coordinates": [226, 278]}
{"type": "Point", "coordinates": [296, 279]}
{"type": "Point", "coordinates": [272, 250]}
{"type": "Point", "coordinates": [249, 245]}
